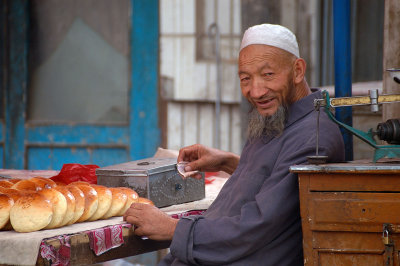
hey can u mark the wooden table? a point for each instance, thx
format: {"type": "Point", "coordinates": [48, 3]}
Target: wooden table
{"type": "Point", "coordinates": [346, 209]}
{"type": "Point", "coordinates": [81, 254]}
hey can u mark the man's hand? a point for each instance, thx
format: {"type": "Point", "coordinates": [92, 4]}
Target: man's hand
{"type": "Point", "coordinates": [207, 159]}
{"type": "Point", "coordinates": [150, 222]}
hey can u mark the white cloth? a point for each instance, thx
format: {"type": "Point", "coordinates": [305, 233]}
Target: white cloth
{"type": "Point", "coordinates": [273, 35]}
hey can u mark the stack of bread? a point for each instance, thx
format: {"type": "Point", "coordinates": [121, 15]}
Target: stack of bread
{"type": "Point", "coordinates": [39, 203]}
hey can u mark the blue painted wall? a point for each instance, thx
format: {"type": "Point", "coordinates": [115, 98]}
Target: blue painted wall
{"type": "Point", "coordinates": [50, 146]}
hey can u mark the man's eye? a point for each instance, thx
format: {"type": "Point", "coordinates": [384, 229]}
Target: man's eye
{"type": "Point", "coordinates": [244, 79]}
{"type": "Point", "coordinates": [268, 74]}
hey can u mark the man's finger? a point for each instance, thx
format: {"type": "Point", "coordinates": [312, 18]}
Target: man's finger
{"type": "Point", "coordinates": [132, 220]}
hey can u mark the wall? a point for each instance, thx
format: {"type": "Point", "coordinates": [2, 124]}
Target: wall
{"type": "Point", "coordinates": [189, 73]}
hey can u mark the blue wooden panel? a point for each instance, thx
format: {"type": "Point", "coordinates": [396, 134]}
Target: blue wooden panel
{"type": "Point", "coordinates": [39, 158]}
{"type": "Point", "coordinates": [2, 156]}
{"type": "Point", "coordinates": [109, 156]}
{"type": "Point", "coordinates": [3, 47]}
{"type": "Point", "coordinates": [1, 132]}
{"type": "Point", "coordinates": [65, 134]}
{"type": "Point", "coordinates": [144, 131]}
{"type": "Point", "coordinates": [17, 82]}
{"type": "Point", "coordinates": [54, 158]}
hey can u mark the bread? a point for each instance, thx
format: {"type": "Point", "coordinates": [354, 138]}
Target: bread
{"type": "Point", "coordinates": [43, 182]}
{"type": "Point", "coordinates": [118, 202]}
{"type": "Point", "coordinates": [59, 204]}
{"type": "Point", "coordinates": [6, 184]}
{"type": "Point", "coordinates": [13, 193]}
{"type": "Point", "coordinates": [91, 200]}
{"type": "Point", "coordinates": [79, 202]}
{"type": "Point", "coordinates": [69, 214]}
{"type": "Point", "coordinates": [26, 185]}
{"type": "Point", "coordinates": [14, 180]}
{"type": "Point", "coordinates": [105, 199]}
{"type": "Point", "coordinates": [132, 197]}
{"type": "Point", "coordinates": [6, 202]}
{"type": "Point", "coordinates": [31, 212]}
{"type": "Point", "coordinates": [145, 201]}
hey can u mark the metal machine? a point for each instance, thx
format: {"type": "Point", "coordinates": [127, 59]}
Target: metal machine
{"type": "Point", "coordinates": [388, 131]}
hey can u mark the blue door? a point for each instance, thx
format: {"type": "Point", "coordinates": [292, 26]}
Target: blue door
{"type": "Point", "coordinates": [79, 82]}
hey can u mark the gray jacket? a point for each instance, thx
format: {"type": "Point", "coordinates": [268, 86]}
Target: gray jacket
{"type": "Point", "coordinates": [255, 220]}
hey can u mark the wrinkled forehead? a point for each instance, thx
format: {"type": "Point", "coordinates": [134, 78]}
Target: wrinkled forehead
{"type": "Point", "coordinates": [260, 53]}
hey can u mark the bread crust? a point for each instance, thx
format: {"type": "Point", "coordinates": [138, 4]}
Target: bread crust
{"type": "Point", "coordinates": [118, 202]}
{"type": "Point", "coordinates": [91, 200]}
{"type": "Point", "coordinates": [79, 202]}
{"type": "Point", "coordinates": [32, 212]}
{"type": "Point", "coordinates": [6, 202]}
{"type": "Point", "coordinates": [69, 214]}
{"type": "Point", "coordinates": [132, 197]}
{"type": "Point", "coordinates": [26, 185]}
{"type": "Point", "coordinates": [43, 182]}
{"type": "Point", "coordinates": [6, 183]}
{"type": "Point", "coordinates": [59, 204]}
{"type": "Point", "coordinates": [105, 199]}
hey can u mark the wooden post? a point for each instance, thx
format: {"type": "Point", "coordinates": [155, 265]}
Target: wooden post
{"type": "Point", "coordinates": [391, 55]}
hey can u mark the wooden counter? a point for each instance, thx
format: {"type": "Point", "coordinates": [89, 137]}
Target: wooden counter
{"type": "Point", "coordinates": [345, 209]}
{"type": "Point", "coordinates": [80, 252]}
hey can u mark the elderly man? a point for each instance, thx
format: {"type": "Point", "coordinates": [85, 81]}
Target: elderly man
{"type": "Point", "coordinates": [255, 219]}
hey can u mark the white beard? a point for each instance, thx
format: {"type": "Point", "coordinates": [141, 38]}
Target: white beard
{"type": "Point", "coordinates": [272, 125]}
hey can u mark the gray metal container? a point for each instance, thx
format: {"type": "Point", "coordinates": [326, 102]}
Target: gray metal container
{"type": "Point", "coordinates": [154, 178]}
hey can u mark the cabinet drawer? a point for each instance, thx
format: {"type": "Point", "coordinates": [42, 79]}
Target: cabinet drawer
{"type": "Point", "coordinates": [353, 211]}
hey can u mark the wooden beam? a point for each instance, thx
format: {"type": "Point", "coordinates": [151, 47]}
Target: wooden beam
{"type": "Point", "coordinates": [391, 55]}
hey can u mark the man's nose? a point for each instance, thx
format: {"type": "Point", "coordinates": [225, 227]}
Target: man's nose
{"type": "Point", "coordinates": [258, 89]}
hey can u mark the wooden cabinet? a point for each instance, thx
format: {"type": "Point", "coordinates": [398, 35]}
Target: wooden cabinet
{"type": "Point", "coordinates": [346, 210]}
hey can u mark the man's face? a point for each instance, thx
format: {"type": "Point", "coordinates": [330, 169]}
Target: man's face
{"type": "Point", "coordinates": [266, 78]}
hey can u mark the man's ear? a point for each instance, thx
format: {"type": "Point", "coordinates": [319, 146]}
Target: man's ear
{"type": "Point", "coordinates": [299, 70]}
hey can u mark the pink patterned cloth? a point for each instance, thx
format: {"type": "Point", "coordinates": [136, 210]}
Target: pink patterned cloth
{"type": "Point", "coordinates": [58, 257]}
{"type": "Point", "coordinates": [106, 238]}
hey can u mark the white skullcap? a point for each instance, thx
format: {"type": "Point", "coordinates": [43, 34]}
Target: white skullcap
{"type": "Point", "coordinates": [273, 35]}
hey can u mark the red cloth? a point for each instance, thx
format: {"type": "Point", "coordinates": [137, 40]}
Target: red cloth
{"type": "Point", "coordinates": [72, 172]}
{"type": "Point", "coordinates": [58, 257]}
{"type": "Point", "coordinates": [106, 238]}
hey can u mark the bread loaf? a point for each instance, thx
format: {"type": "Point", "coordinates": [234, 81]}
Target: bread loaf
{"type": "Point", "coordinates": [145, 201]}
{"type": "Point", "coordinates": [6, 202]}
{"type": "Point", "coordinates": [31, 212]}
{"type": "Point", "coordinates": [79, 202]}
{"type": "Point", "coordinates": [105, 199]}
{"type": "Point", "coordinates": [15, 195]}
{"type": "Point", "coordinates": [35, 204]}
{"type": "Point", "coordinates": [91, 200]}
{"type": "Point", "coordinates": [6, 184]}
{"type": "Point", "coordinates": [59, 204]}
{"type": "Point", "coordinates": [118, 202]}
{"type": "Point", "coordinates": [14, 180]}
{"type": "Point", "coordinates": [132, 197]}
{"type": "Point", "coordinates": [43, 182]}
{"type": "Point", "coordinates": [69, 214]}
{"type": "Point", "coordinates": [26, 185]}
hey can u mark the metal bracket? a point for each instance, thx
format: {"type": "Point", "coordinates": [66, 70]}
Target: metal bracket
{"type": "Point", "coordinates": [390, 151]}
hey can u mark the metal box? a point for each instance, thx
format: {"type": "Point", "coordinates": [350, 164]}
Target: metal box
{"type": "Point", "coordinates": [154, 178]}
